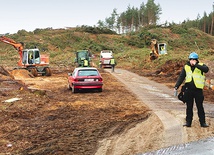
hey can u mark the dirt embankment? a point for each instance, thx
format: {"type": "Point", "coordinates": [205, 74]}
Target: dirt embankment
{"type": "Point", "coordinates": [169, 72]}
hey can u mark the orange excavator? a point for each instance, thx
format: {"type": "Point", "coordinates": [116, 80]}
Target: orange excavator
{"type": "Point", "coordinates": [30, 59]}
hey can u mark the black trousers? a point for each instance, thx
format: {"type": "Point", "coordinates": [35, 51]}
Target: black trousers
{"type": "Point", "coordinates": [197, 96]}
{"type": "Point", "coordinates": [112, 68]}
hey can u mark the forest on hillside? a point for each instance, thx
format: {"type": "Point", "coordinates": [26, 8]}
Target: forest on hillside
{"type": "Point", "coordinates": [148, 14]}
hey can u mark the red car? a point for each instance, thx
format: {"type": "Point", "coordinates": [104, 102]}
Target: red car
{"type": "Point", "coordinates": [85, 78]}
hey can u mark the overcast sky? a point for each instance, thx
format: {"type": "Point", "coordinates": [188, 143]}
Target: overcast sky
{"type": "Point", "coordinates": [32, 14]}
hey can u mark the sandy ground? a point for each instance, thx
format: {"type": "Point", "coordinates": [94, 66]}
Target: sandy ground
{"type": "Point", "coordinates": [49, 119]}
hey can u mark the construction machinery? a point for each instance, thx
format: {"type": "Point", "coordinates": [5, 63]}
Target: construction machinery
{"type": "Point", "coordinates": [30, 59]}
{"type": "Point", "coordinates": [157, 49]}
{"type": "Point", "coordinates": [105, 57]}
{"type": "Point", "coordinates": [83, 58]}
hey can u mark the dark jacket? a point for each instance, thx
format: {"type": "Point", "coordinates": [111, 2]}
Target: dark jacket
{"type": "Point", "coordinates": [181, 78]}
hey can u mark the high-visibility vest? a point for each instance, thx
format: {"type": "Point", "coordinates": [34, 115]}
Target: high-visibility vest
{"type": "Point", "coordinates": [85, 62]}
{"type": "Point", "coordinates": [30, 56]}
{"type": "Point", "coordinates": [197, 75]}
{"type": "Point", "coordinates": [112, 61]}
{"type": "Point", "coordinates": [162, 48]}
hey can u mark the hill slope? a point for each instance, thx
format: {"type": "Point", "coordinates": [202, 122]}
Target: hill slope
{"type": "Point", "coordinates": [131, 51]}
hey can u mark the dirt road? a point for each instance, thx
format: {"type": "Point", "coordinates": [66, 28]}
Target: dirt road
{"type": "Point", "coordinates": [135, 116]}
{"type": "Point", "coordinates": [49, 119]}
{"type": "Point", "coordinates": [159, 98]}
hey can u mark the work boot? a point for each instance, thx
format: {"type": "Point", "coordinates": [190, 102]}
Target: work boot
{"type": "Point", "coordinates": [187, 124]}
{"type": "Point", "coordinates": [204, 125]}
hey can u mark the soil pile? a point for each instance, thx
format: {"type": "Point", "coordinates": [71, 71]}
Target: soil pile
{"type": "Point", "coordinates": [21, 73]}
{"type": "Point", "coordinates": [4, 74]}
{"type": "Point", "coordinates": [8, 82]}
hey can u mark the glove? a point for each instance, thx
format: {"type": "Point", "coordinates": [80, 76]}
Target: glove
{"type": "Point", "coordinates": [175, 92]}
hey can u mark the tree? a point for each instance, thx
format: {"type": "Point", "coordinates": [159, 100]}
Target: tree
{"type": "Point", "coordinates": [152, 12]}
{"type": "Point", "coordinates": [133, 18]}
{"type": "Point", "coordinates": [122, 21]}
{"type": "Point", "coordinates": [100, 24]}
{"type": "Point", "coordinates": [211, 30]}
{"type": "Point", "coordinates": [111, 21]}
{"type": "Point", "coordinates": [204, 21]}
{"type": "Point", "coordinates": [142, 15]}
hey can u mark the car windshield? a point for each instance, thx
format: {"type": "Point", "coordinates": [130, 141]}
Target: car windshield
{"type": "Point", "coordinates": [87, 73]}
{"type": "Point", "coordinates": [82, 54]}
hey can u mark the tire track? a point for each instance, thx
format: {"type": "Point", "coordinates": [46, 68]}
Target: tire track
{"type": "Point", "coordinates": [159, 98]}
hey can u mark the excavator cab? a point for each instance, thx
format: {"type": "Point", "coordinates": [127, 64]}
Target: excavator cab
{"type": "Point", "coordinates": [157, 49]}
{"type": "Point", "coordinates": [162, 48]}
{"type": "Point", "coordinates": [31, 57]}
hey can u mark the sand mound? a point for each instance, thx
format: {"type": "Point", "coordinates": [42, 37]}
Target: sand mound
{"type": "Point", "coordinates": [21, 73]}
{"type": "Point", "coordinates": [4, 74]}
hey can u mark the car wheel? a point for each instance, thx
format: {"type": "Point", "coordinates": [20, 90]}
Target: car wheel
{"type": "Point", "coordinates": [47, 71]}
{"type": "Point", "coordinates": [100, 89]}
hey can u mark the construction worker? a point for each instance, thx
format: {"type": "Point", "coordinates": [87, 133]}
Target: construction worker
{"type": "Point", "coordinates": [85, 63]}
{"type": "Point", "coordinates": [193, 73]}
{"type": "Point", "coordinates": [112, 63]}
{"type": "Point", "coordinates": [100, 64]}
{"type": "Point", "coordinates": [30, 58]}
{"type": "Point", "coordinates": [162, 48]}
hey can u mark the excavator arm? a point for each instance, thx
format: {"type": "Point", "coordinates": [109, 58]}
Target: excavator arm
{"type": "Point", "coordinates": [18, 46]}
{"type": "Point", "coordinates": [154, 50]}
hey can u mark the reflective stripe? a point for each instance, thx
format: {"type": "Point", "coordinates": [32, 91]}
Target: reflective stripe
{"type": "Point", "coordinates": [112, 62]}
{"type": "Point", "coordinates": [198, 78]}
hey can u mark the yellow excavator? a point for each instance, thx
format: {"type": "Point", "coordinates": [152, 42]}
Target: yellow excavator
{"type": "Point", "coordinates": [157, 49]}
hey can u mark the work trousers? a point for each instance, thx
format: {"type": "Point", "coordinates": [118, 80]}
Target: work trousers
{"type": "Point", "coordinates": [112, 68]}
{"type": "Point", "coordinates": [197, 96]}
